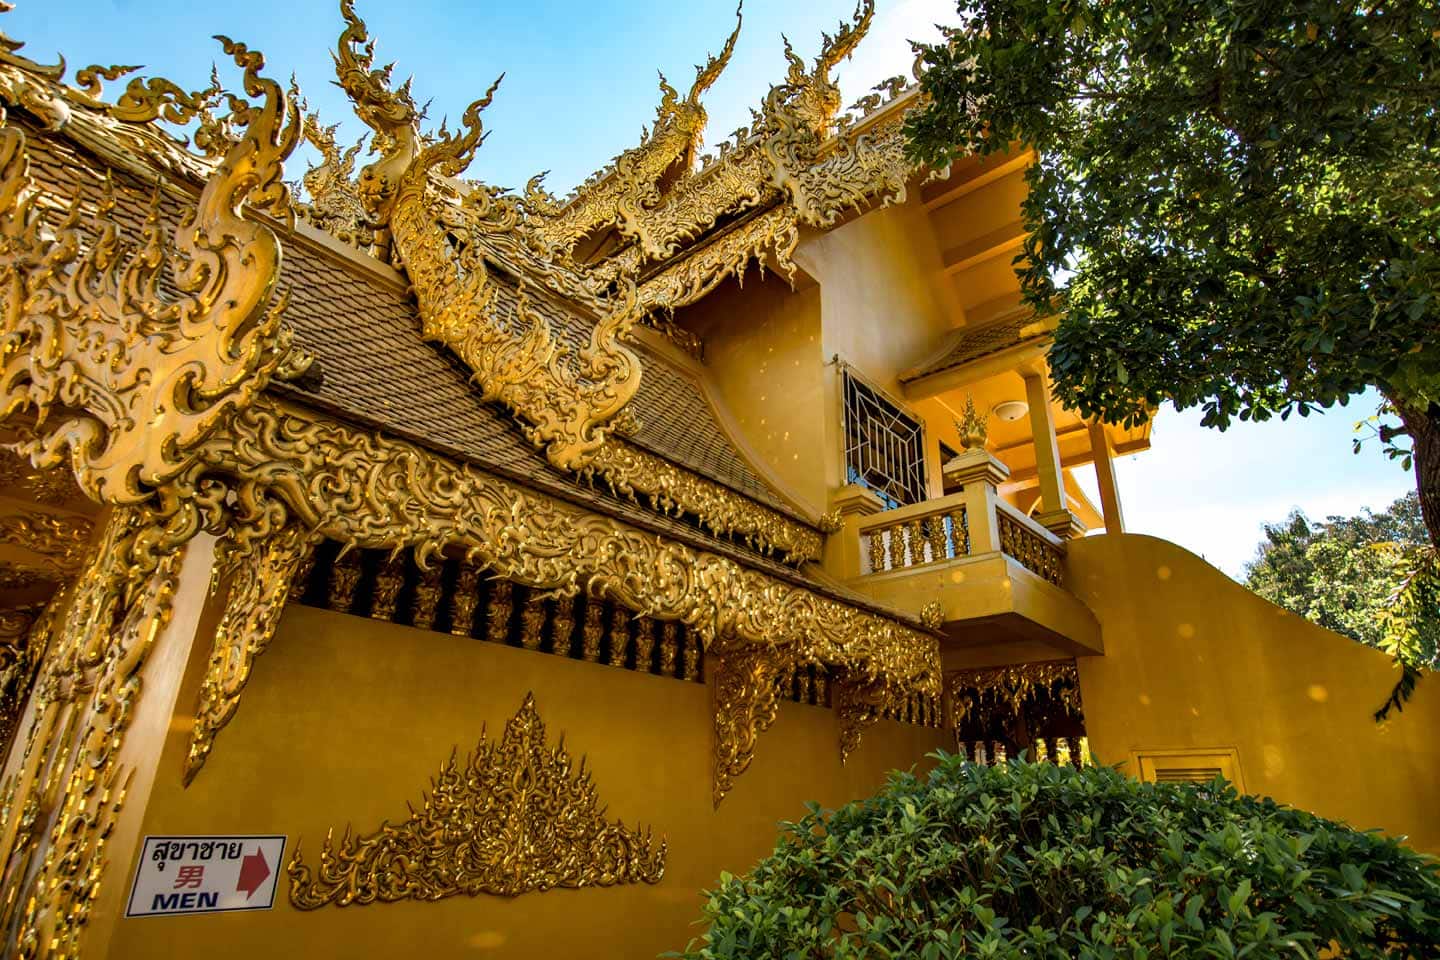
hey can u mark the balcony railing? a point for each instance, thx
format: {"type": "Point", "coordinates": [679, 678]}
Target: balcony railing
{"type": "Point", "coordinates": [969, 523]}
{"type": "Point", "coordinates": [1029, 543]}
{"type": "Point", "coordinates": [912, 536]}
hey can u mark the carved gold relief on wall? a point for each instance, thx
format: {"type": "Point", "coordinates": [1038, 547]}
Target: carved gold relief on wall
{"type": "Point", "coordinates": [513, 817]}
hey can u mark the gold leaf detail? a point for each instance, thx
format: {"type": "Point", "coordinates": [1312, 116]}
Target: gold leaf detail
{"type": "Point", "coordinates": [513, 818]}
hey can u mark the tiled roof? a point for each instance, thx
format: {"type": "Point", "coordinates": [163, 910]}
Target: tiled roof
{"type": "Point", "coordinates": [971, 345]}
{"type": "Point", "coordinates": [375, 371]}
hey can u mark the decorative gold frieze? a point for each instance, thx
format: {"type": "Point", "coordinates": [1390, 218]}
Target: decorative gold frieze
{"type": "Point", "coordinates": [260, 576]}
{"type": "Point", "coordinates": [50, 487]}
{"type": "Point", "coordinates": [61, 539]}
{"type": "Point", "coordinates": [512, 818]}
{"type": "Point", "coordinates": [628, 470]}
{"type": "Point", "coordinates": [932, 615]}
{"type": "Point", "coordinates": [318, 467]}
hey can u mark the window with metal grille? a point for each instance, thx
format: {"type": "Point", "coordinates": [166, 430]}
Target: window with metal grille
{"type": "Point", "coordinates": [884, 445]}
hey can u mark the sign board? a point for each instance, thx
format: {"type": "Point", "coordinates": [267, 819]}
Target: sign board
{"type": "Point", "coordinates": [205, 875]}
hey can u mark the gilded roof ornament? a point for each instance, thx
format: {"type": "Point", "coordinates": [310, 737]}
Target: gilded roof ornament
{"type": "Point", "coordinates": [566, 397]}
{"type": "Point", "coordinates": [139, 377]}
{"type": "Point", "coordinates": [618, 195]}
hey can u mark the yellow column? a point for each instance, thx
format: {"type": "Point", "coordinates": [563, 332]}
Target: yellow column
{"type": "Point", "coordinates": [1047, 450]}
{"type": "Point", "coordinates": [1055, 514]}
{"type": "Point", "coordinates": [1104, 455]}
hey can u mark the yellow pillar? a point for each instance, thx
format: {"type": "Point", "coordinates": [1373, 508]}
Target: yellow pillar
{"type": "Point", "coordinates": [1104, 455]}
{"type": "Point", "coordinates": [1054, 512]}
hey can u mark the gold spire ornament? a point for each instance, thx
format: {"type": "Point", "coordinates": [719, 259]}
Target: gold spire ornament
{"type": "Point", "coordinates": [974, 431]}
{"type": "Point", "coordinates": [513, 818]}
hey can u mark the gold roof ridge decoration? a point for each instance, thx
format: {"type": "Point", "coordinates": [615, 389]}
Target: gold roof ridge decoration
{"type": "Point", "coordinates": [93, 338]}
{"type": "Point", "coordinates": [566, 398]}
{"type": "Point", "coordinates": [613, 194]}
{"type": "Point", "coordinates": [512, 818]}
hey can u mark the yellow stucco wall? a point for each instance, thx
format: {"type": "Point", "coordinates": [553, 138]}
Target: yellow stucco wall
{"type": "Point", "coordinates": [1193, 659]}
{"type": "Point", "coordinates": [346, 719]}
{"type": "Point", "coordinates": [764, 362]}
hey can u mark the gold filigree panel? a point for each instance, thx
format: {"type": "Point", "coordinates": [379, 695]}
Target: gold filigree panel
{"type": "Point", "coordinates": [513, 817]}
{"type": "Point", "coordinates": [260, 575]}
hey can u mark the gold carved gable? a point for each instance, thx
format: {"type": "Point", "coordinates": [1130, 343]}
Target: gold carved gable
{"type": "Point", "coordinates": [512, 818]}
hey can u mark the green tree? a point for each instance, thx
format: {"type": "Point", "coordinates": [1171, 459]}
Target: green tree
{"type": "Point", "coordinates": [1340, 573]}
{"type": "Point", "coordinates": [1037, 861]}
{"type": "Point", "coordinates": [1371, 577]}
{"type": "Point", "coordinates": [1235, 203]}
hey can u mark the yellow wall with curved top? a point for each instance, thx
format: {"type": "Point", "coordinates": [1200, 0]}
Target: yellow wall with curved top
{"type": "Point", "coordinates": [346, 719]}
{"type": "Point", "coordinates": [1195, 660]}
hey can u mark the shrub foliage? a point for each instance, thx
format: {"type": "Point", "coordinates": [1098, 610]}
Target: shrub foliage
{"type": "Point", "coordinates": [1035, 860]}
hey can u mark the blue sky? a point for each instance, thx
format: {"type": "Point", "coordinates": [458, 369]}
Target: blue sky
{"type": "Point", "coordinates": [581, 82]}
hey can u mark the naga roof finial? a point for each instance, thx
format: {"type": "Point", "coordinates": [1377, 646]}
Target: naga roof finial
{"type": "Point", "coordinates": [706, 76]}
{"type": "Point", "coordinates": [393, 115]}
{"type": "Point", "coordinates": [814, 96]}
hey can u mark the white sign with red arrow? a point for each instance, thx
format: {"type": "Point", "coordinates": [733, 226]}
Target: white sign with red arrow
{"type": "Point", "coordinates": [205, 875]}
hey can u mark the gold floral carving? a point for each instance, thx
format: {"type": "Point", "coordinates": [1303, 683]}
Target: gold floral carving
{"type": "Point", "coordinates": [512, 818]}
{"type": "Point", "coordinates": [628, 470]}
{"type": "Point", "coordinates": [261, 577]}
{"type": "Point", "coordinates": [747, 699]}
{"type": "Point", "coordinates": [127, 380]}
{"type": "Point", "coordinates": [566, 397]}
{"type": "Point", "coordinates": [324, 471]}
{"type": "Point", "coordinates": [61, 803]}
{"type": "Point", "coordinates": [59, 538]}
{"type": "Point", "coordinates": [1012, 686]}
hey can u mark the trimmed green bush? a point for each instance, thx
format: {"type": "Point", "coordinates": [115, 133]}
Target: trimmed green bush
{"type": "Point", "coordinates": [1034, 860]}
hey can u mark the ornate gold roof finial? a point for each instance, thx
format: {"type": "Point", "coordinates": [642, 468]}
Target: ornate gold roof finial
{"type": "Point", "coordinates": [813, 97]}
{"type": "Point", "coordinates": [972, 427]}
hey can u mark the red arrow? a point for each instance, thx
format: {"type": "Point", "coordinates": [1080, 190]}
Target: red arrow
{"type": "Point", "coordinates": [253, 871]}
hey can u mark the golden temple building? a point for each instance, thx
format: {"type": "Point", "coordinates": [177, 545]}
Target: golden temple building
{"type": "Point", "coordinates": [397, 565]}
